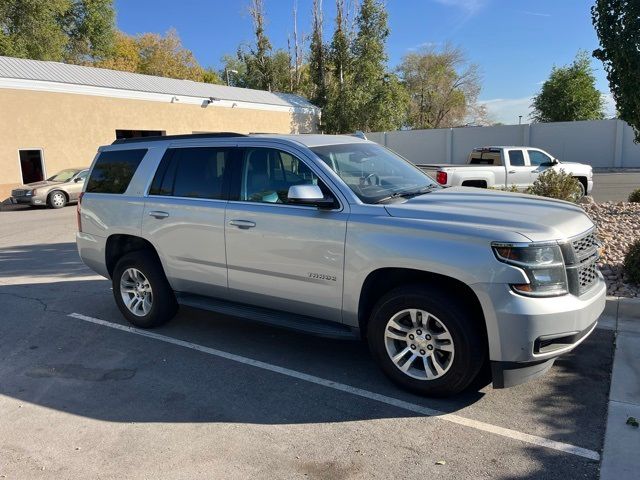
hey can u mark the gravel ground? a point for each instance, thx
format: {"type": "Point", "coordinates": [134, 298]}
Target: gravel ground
{"type": "Point", "coordinates": [618, 226]}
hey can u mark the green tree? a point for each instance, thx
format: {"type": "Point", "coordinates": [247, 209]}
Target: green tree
{"type": "Point", "coordinates": [235, 69]}
{"type": "Point", "coordinates": [258, 59]}
{"type": "Point", "coordinates": [617, 23]}
{"type": "Point", "coordinates": [76, 31]}
{"type": "Point", "coordinates": [443, 88]}
{"type": "Point", "coordinates": [318, 64]}
{"type": "Point", "coordinates": [90, 28]}
{"type": "Point", "coordinates": [282, 73]}
{"type": "Point", "coordinates": [380, 101]}
{"type": "Point", "coordinates": [33, 29]}
{"type": "Point", "coordinates": [338, 114]}
{"type": "Point", "coordinates": [569, 94]}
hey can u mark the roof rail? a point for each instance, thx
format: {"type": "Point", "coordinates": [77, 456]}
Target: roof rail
{"type": "Point", "coordinates": [161, 138]}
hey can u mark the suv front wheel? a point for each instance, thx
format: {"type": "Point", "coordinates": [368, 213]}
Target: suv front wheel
{"type": "Point", "coordinates": [426, 341]}
{"type": "Point", "coordinates": [141, 290]}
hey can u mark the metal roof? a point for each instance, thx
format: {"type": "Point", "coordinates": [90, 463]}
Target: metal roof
{"type": "Point", "coordinates": [45, 71]}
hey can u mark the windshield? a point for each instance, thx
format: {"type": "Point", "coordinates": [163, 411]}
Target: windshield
{"type": "Point", "coordinates": [374, 173]}
{"type": "Point", "coordinates": [63, 176]}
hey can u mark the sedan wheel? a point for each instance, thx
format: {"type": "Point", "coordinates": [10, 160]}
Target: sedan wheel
{"type": "Point", "coordinates": [57, 200]}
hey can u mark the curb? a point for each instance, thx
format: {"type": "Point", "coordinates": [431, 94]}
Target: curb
{"type": "Point", "coordinates": [620, 460]}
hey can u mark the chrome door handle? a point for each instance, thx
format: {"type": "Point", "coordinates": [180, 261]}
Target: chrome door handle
{"type": "Point", "coordinates": [244, 224]}
{"type": "Point", "coordinates": [158, 214]}
{"type": "Point", "coordinates": [511, 171]}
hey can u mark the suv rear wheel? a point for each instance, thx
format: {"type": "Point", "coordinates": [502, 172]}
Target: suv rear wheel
{"type": "Point", "coordinates": [141, 290]}
{"type": "Point", "coordinates": [426, 341]}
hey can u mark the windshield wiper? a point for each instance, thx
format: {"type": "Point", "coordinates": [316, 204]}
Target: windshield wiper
{"type": "Point", "coordinates": [408, 193]}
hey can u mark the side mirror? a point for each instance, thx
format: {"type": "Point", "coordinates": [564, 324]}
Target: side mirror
{"type": "Point", "coordinates": [308, 195]}
{"type": "Point", "coordinates": [550, 163]}
{"type": "Point", "coordinates": [78, 179]}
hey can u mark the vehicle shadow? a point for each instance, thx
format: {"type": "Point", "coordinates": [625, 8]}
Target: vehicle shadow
{"type": "Point", "coordinates": [59, 260]}
{"type": "Point", "coordinates": [66, 364]}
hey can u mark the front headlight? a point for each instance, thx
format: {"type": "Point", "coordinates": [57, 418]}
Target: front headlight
{"type": "Point", "coordinates": [543, 265]}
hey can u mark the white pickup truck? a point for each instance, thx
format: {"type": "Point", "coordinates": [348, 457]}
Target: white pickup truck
{"type": "Point", "coordinates": [504, 167]}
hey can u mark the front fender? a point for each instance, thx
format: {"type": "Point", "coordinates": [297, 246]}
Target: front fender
{"type": "Point", "coordinates": [399, 243]}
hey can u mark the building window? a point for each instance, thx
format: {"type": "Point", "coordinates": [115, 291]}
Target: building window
{"type": "Point", "coordinates": [31, 166]}
{"type": "Point", "coordinates": [139, 133]}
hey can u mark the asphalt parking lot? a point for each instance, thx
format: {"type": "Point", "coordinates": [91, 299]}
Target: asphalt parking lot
{"type": "Point", "coordinates": [614, 187]}
{"type": "Point", "coordinates": [206, 396]}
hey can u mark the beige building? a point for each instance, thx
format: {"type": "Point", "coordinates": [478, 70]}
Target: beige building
{"type": "Point", "coordinates": [54, 116]}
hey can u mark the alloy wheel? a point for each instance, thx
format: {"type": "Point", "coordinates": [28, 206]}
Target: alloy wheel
{"type": "Point", "coordinates": [136, 292]}
{"type": "Point", "coordinates": [419, 344]}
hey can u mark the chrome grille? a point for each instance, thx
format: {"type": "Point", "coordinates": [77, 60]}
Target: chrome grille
{"type": "Point", "coordinates": [587, 276]}
{"type": "Point", "coordinates": [19, 193]}
{"type": "Point", "coordinates": [586, 245]}
{"type": "Point", "coordinates": [581, 255]}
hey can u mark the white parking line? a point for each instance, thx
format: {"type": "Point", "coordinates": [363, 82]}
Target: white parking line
{"type": "Point", "coordinates": [429, 412]}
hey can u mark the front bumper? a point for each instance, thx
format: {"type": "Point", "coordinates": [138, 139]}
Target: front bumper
{"type": "Point", "coordinates": [527, 334]}
{"type": "Point", "coordinates": [28, 200]}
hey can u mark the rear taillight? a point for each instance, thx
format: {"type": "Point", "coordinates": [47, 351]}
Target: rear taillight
{"type": "Point", "coordinates": [78, 210]}
{"type": "Point", "coordinates": [441, 178]}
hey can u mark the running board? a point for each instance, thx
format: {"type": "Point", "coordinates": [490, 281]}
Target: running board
{"type": "Point", "coordinates": [276, 318]}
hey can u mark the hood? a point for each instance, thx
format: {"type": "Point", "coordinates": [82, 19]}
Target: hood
{"type": "Point", "coordinates": [537, 218]}
{"type": "Point", "coordinates": [44, 183]}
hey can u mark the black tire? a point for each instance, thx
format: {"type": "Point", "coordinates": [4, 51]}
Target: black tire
{"type": "Point", "coordinates": [56, 199]}
{"type": "Point", "coordinates": [465, 328]}
{"type": "Point", "coordinates": [583, 187]}
{"type": "Point", "coordinates": [163, 305]}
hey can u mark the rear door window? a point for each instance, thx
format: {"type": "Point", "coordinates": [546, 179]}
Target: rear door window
{"type": "Point", "coordinates": [114, 170]}
{"type": "Point", "coordinates": [516, 157]}
{"type": "Point", "coordinates": [198, 172]}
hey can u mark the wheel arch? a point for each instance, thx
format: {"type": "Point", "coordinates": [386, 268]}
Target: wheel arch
{"type": "Point", "coordinates": [380, 281]}
{"type": "Point", "coordinates": [120, 244]}
{"type": "Point", "coordinates": [54, 190]}
{"type": "Point", "coordinates": [584, 182]}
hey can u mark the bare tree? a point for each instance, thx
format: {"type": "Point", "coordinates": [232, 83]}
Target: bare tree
{"type": "Point", "coordinates": [443, 86]}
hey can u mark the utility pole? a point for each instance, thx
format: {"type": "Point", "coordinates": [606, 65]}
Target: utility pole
{"type": "Point", "coordinates": [519, 119]}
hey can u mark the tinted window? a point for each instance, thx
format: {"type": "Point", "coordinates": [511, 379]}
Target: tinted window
{"type": "Point", "coordinates": [267, 175]}
{"type": "Point", "coordinates": [537, 158]}
{"type": "Point", "coordinates": [483, 161]}
{"type": "Point", "coordinates": [192, 172]}
{"type": "Point", "coordinates": [516, 158]}
{"type": "Point", "coordinates": [113, 170]}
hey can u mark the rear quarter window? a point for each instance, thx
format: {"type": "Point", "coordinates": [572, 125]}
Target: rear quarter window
{"type": "Point", "coordinates": [114, 170]}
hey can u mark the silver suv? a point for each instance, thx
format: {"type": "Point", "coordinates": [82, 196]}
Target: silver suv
{"type": "Point", "coordinates": [337, 236]}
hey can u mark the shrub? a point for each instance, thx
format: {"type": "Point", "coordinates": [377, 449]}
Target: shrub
{"type": "Point", "coordinates": [510, 188]}
{"type": "Point", "coordinates": [556, 184]}
{"type": "Point", "coordinates": [635, 196]}
{"type": "Point", "coordinates": [632, 263]}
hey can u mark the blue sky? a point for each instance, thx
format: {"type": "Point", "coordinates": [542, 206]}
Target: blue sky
{"type": "Point", "coordinates": [515, 42]}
